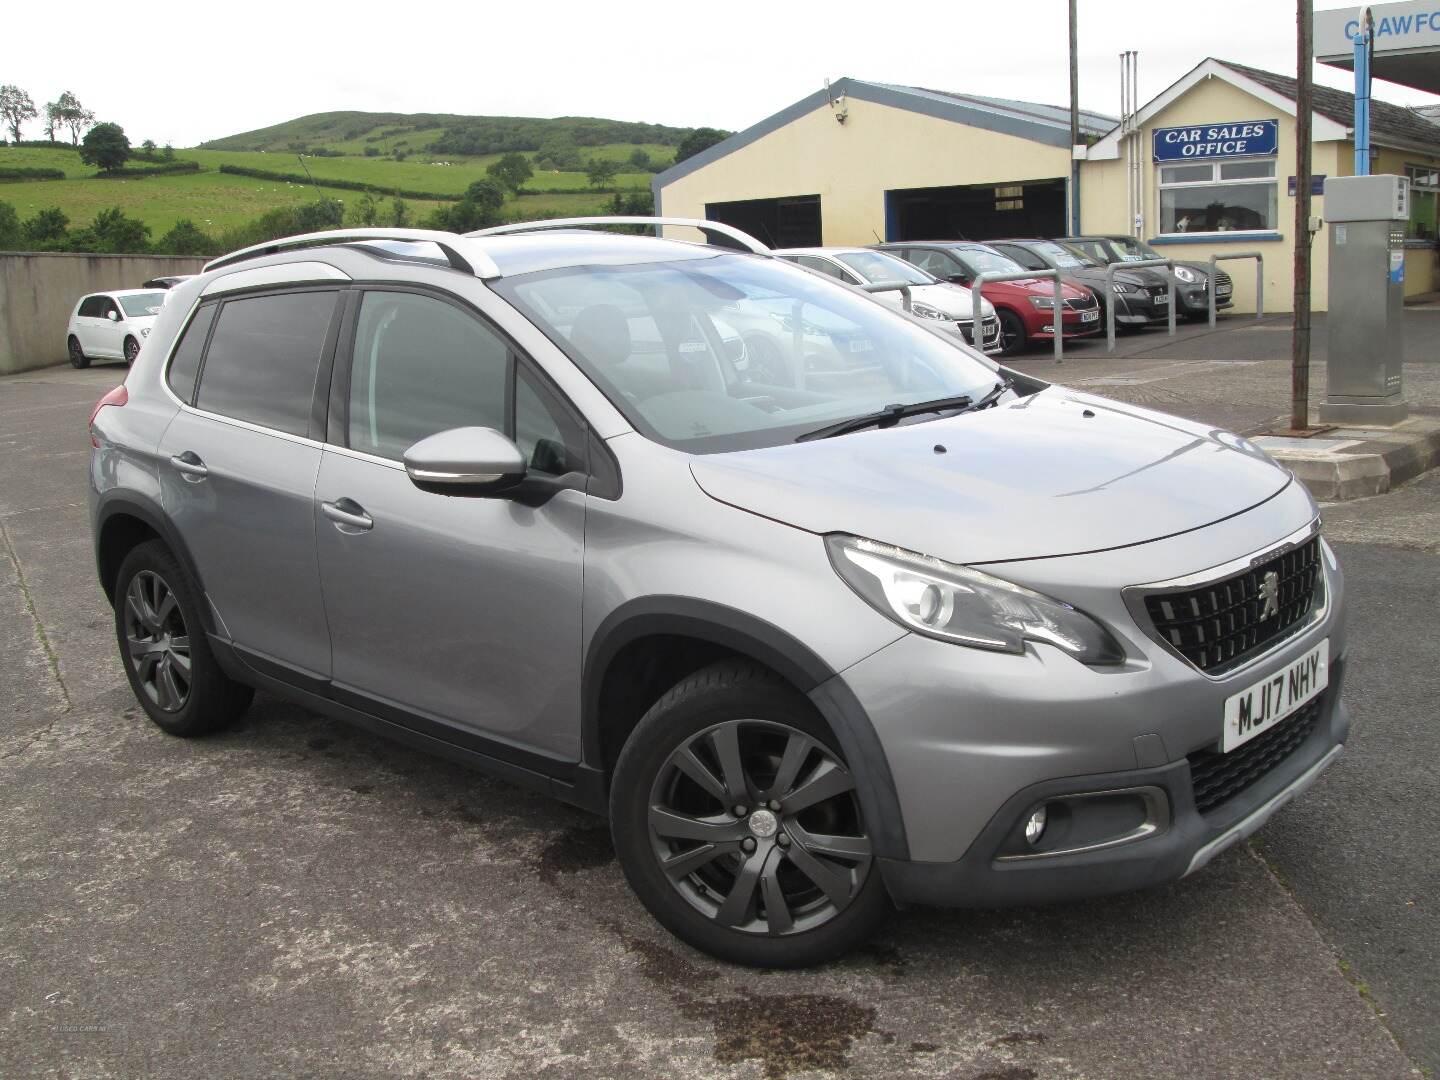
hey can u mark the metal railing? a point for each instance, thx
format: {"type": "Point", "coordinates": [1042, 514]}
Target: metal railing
{"type": "Point", "coordinates": [1057, 317]}
{"type": "Point", "coordinates": [1259, 281]}
{"type": "Point", "coordinates": [903, 288]}
{"type": "Point", "coordinates": [1110, 292]}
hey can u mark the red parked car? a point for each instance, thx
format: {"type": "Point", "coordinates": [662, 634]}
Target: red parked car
{"type": "Point", "coordinates": [1024, 306]}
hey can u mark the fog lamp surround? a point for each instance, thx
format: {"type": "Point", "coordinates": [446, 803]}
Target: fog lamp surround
{"type": "Point", "coordinates": [963, 606]}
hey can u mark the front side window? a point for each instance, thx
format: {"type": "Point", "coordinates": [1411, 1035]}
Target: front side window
{"type": "Point", "coordinates": [722, 352]}
{"type": "Point", "coordinates": [422, 366]}
{"type": "Point", "coordinates": [263, 358]}
{"type": "Point", "coordinates": [934, 262]}
{"type": "Point", "coordinates": [141, 305]}
{"type": "Point", "coordinates": [92, 307]}
{"type": "Point", "coordinates": [1424, 195]}
{"type": "Point", "coordinates": [1026, 258]}
{"type": "Point", "coordinates": [1218, 196]}
{"type": "Point", "coordinates": [986, 260]}
{"type": "Point", "coordinates": [824, 266]}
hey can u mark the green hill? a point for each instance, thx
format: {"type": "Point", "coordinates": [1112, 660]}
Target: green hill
{"type": "Point", "coordinates": [444, 133]}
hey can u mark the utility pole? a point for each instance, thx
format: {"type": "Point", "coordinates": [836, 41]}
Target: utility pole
{"type": "Point", "coordinates": [1074, 123]}
{"type": "Point", "coordinates": [1300, 326]}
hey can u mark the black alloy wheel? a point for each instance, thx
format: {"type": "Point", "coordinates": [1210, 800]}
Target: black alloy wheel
{"type": "Point", "coordinates": [132, 350]}
{"type": "Point", "coordinates": [157, 641]}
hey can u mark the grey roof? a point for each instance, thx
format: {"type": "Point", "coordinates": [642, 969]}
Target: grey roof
{"type": "Point", "coordinates": [1048, 124]}
{"type": "Point", "coordinates": [1388, 123]}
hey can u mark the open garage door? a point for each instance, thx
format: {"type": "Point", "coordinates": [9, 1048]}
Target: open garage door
{"type": "Point", "coordinates": [976, 211]}
{"type": "Point", "coordinates": [793, 221]}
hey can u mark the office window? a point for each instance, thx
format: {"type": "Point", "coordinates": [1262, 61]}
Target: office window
{"type": "Point", "coordinates": [1424, 195]}
{"type": "Point", "coordinates": [1218, 196]}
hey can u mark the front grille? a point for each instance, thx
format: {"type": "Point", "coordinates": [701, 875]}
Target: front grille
{"type": "Point", "coordinates": [1218, 778]}
{"type": "Point", "coordinates": [1220, 625]}
{"type": "Point", "coordinates": [1081, 303]}
{"type": "Point", "coordinates": [1158, 290]}
{"type": "Point", "coordinates": [1222, 278]}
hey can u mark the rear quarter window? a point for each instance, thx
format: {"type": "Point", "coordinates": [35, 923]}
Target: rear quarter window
{"type": "Point", "coordinates": [263, 358]}
{"type": "Point", "coordinates": [185, 364]}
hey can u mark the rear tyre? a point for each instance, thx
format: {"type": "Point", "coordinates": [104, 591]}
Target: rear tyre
{"type": "Point", "coordinates": [1013, 338]}
{"type": "Point", "coordinates": [737, 823]}
{"type": "Point", "coordinates": [166, 656]}
{"type": "Point", "coordinates": [78, 359]}
{"type": "Point", "coordinates": [132, 350]}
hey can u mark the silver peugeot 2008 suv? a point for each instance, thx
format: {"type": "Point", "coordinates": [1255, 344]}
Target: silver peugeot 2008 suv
{"type": "Point", "coordinates": [873, 623]}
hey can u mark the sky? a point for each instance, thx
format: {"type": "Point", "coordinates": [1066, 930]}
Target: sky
{"type": "Point", "coordinates": [184, 73]}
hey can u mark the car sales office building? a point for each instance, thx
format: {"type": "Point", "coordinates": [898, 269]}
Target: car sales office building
{"type": "Point", "coordinates": [1204, 168]}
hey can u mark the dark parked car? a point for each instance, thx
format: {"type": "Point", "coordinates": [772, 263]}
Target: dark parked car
{"type": "Point", "coordinates": [1141, 296]}
{"type": "Point", "coordinates": [166, 282]}
{"type": "Point", "coordinates": [1024, 306]}
{"type": "Point", "coordinates": [1192, 279]}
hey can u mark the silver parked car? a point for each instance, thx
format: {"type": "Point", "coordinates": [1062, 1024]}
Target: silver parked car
{"type": "Point", "coordinates": [886, 624]}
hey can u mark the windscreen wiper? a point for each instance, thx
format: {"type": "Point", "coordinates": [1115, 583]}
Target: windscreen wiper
{"type": "Point", "coordinates": [889, 416]}
{"type": "Point", "coordinates": [992, 397]}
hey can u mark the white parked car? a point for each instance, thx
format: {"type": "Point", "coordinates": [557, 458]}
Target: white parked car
{"type": "Point", "coordinates": [112, 325]}
{"type": "Point", "coordinates": [930, 298]}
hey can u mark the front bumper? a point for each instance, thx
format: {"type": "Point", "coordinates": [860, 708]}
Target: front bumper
{"type": "Point", "coordinates": [983, 877]}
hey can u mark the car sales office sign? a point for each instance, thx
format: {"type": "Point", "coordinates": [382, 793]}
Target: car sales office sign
{"type": "Point", "coordinates": [1244, 138]}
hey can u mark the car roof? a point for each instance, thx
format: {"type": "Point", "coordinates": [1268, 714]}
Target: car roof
{"type": "Point", "coordinates": [124, 292]}
{"type": "Point", "coordinates": [821, 251]}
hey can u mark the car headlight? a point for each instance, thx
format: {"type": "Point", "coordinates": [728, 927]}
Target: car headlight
{"type": "Point", "coordinates": [1184, 273]}
{"type": "Point", "coordinates": [1121, 287]}
{"type": "Point", "coordinates": [145, 331]}
{"type": "Point", "coordinates": [1046, 302]}
{"type": "Point", "coordinates": [925, 311]}
{"type": "Point", "coordinates": [963, 606]}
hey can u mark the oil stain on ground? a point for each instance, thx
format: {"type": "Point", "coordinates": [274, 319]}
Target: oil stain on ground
{"type": "Point", "coordinates": [785, 1033]}
{"type": "Point", "coordinates": [579, 848]}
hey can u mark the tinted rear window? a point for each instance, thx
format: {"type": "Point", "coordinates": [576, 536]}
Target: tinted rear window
{"type": "Point", "coordinates": [263, 358]}
{"type": "Point", "coordinates": [186, 362]}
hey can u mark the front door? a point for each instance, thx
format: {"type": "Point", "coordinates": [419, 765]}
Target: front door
{"type": "Point", "coordinates": [238, 474]}
{"type": "Point", "coordinates": [458, 616]}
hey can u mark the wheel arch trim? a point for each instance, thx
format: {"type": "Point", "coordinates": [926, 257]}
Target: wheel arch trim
{"type": "Point", "coordinates": [147, 511]}
{"type": "Point", "coordinates": [752, 636]}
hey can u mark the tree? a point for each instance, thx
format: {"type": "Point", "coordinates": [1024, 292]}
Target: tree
{"type": "Point", "coordinates": [365, 211]}
{"type": "Point", "coordinates": [399, 213]}
{"type": "Point", "coordinates": [640, 159]}
{"type": "Point", "coordinates": [52, 121]}
{"type": "Point", "coordinates": [115, 234]}
{"type": "Point", "coordinates": [168, 153]}
{"type": "Point", "coordinates": [185, 238]}
{"type": "Point", "coordinates": [479, 208]}
{"type": "Point", "coordinates": [46, 228]}
{"type": "Point", "coordinates": [15, 108]}
{"type": "Point", "coordinates": [600, 172]}
{"type": "Point", "coordinates": [71, 114]}
{"type": "Point", "coordinates": [148, 146]}
{"type": "Point", "coordinates": [9, 228]}
{"type": "Point", "coordinates": [319, 215]}
{"type": "Point", "coordinates": [511, 172]}
{"type": "Point", "coordinates": [105, 147]}
{"type": "Point", "coordinates": [699, 139]}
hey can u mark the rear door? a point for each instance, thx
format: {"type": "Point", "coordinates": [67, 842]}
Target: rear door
{"type": "Point", "coordinates": [458, 616]}
{"type": "Point", "coordinates": [238, 468]}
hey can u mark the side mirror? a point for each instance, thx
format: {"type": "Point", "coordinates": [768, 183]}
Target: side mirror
{"type": "Point", "coordinates": [961, 279]}
{"type": "Point", "coordinates": [113, 315]}
{"type": "Point", "coordinates": [475, 461]}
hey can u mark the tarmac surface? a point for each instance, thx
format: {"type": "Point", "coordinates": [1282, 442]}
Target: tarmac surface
{"type": "Point", "coordinates": [297, 898]}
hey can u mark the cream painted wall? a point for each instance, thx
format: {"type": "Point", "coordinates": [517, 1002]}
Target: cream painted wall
{"type": "Point", "coordinates": [851, 166]}
{"type": "Point", "coordinates": [1103, 197]}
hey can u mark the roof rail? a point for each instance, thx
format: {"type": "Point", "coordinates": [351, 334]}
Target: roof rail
{"type": "Point", "coordinates": [462, 255]}
{"type": "Point", "coordinates": [715, 228]}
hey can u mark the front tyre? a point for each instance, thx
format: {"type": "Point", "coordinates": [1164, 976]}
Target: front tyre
{"type": "Point", "coordinates": [1013, 336]}
{"type": "Point", "coordinates": [132, 350]}
{"type": "Point", "coordinates": [163, 647]}
{"type": "Point", "coordinates": [738, 825]}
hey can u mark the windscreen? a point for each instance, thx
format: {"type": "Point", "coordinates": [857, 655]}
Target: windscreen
{"type": "Point", "coordinates": [1062, 256]}
{"type": "Point", "coordinates": [731, 352]}
{"type": "Point", "coordinates": [984, 260]}
{"type": "Point", "coordinates": [1132, 250]}
{"type": "Point", "coordinates": [873, 266]}
{"type": "Point", "coordinates": [139, 305]}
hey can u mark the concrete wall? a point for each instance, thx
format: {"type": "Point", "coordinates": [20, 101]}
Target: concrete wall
{"type": "Point", "coordinates": [38, 291]}
{"type": "Point", "coordinates": [851, 166]}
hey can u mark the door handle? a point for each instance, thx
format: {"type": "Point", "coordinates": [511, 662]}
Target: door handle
{"type": "Point", "coordinates": [347, 514]}
{"type": "Point", "coordinates": [190, 466]}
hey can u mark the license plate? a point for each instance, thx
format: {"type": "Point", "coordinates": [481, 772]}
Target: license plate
{"type": "Point", "coordinates": [1163, 299]}
{"type": "Point", "coordinates": [1222, 290]}
{"type": "Point", "coordinates": [1089, 316]}
{"type": "Point", "coordinates": [1259, 708]}
{"type": "Point", "coordinates": [862, 345]}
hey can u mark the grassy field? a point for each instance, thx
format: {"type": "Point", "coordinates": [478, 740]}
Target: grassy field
{"type": "Point", "coordinates": [216, 201]}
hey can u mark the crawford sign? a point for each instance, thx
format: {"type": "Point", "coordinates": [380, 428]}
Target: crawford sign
{"type": "Point", "coordinates": [1244, 138]}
